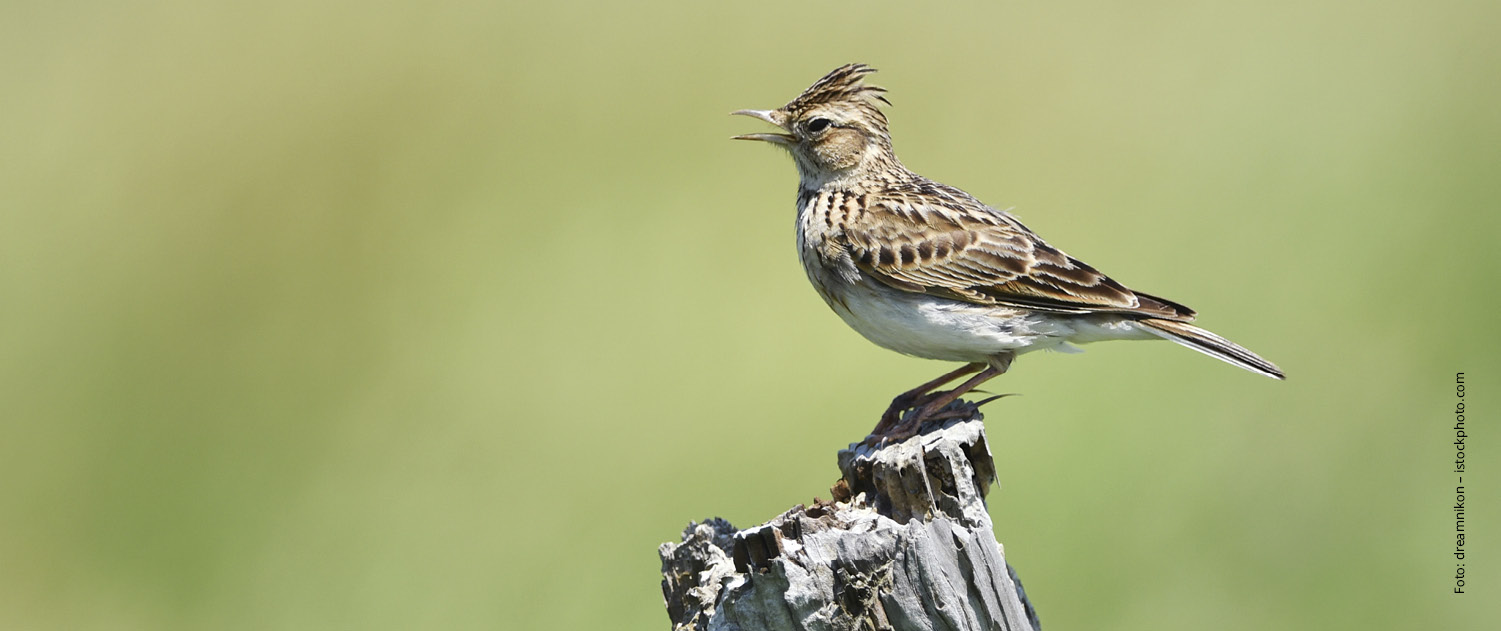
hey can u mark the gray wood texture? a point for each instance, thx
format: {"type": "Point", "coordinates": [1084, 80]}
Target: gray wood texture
{"type": "Point", "coordinates": [905, 544]}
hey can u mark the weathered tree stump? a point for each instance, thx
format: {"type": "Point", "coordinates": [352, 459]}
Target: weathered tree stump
{"type": "Point", "coordinates": [905, 544]}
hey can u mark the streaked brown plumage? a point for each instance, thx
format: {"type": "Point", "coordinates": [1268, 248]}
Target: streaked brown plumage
{"type": "Point", "coordinates": [926, 269]}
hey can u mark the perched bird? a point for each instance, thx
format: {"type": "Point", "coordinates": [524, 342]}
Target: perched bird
{"type": "Point", "coordinates": [925, 269]}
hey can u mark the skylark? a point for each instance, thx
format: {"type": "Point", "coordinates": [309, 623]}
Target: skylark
{"type": "Point", "coordinates": [925, 269]}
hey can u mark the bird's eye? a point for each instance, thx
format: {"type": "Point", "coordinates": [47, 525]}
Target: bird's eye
{"type": "Point", "coordinates": [818, 124]}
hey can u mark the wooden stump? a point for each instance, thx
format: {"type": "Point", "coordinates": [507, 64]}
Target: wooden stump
{"type": "Point", "coordinates": [906, 544]}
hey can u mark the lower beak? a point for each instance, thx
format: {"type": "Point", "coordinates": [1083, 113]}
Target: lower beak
{"type": "Point", "coordinates": [780, 139]}
{"type": "Point", "coordinates": [771, 116]}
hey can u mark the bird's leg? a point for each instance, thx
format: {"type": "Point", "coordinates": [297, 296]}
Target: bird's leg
{"type": "Point", "coordinates": [938, 401]}
{"type": "Point", "coordinates": [911, 398]}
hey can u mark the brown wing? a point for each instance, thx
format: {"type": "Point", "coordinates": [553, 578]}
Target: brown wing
{"type": "Point", "coordinates": [958, 248]}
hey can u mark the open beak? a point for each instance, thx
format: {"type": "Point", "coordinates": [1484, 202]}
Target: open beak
{"type": "Point", "coordinates": [774, 117]}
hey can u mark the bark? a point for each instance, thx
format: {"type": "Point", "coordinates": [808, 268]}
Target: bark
{"type": "Point", "coordinates": [905, 544]}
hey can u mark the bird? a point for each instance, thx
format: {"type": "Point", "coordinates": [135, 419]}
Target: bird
{"type": "Point", "coordinates": [925, 269]}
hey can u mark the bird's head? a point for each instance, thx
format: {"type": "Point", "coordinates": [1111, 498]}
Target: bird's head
{"type": "Point", "coordinates": [834, 128]}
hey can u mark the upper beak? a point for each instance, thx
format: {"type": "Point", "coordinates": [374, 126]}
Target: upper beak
{"type": "Point", "coordinates": [774, 117]}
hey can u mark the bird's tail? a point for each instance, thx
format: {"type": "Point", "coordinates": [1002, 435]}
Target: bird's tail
{"type": "Point", "coordinates": [1211, 345]}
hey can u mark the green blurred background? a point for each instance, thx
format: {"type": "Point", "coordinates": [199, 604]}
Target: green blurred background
{"type": "Point", "coordinates": [443, 315]}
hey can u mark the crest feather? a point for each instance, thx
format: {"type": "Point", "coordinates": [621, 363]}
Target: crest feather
{"type": "Point", "coordinates": [845, 85]}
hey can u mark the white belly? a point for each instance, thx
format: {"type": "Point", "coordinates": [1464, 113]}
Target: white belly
{"type": "Point", "coordinates": [937, 328]}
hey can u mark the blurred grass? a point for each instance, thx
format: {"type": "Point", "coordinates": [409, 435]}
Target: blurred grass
{"type": "Point", "coordinates": [443, 315]}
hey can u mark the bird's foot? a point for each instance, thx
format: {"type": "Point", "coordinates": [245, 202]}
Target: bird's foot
{"type": "Point", "coordinates": [900, 423]}
{"type": "Point", "coordinates": [903, 405]}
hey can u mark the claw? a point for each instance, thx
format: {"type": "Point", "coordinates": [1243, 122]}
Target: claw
{"type": "Point", "coordinates": [998, 396]}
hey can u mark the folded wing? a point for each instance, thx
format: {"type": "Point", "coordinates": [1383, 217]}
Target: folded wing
{"type": "Point", "coordinates": [984, 257]}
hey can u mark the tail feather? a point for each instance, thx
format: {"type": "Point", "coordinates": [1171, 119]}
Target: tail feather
{"type": "Point", "coordinates": [1211, 345]}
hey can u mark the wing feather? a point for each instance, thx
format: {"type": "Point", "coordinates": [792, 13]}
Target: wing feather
{"type": "Point", "coordinates": [964, 250]}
